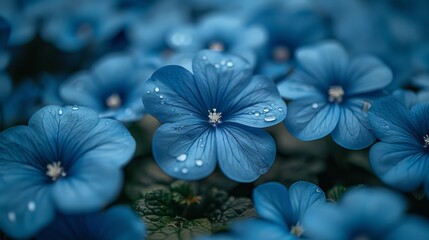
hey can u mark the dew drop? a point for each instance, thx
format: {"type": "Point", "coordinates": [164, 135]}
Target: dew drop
{"type": "Point", "coordinates": [107, 123]}
{"type": "Point", "coordinates": [31, 206]}
{"type": "Point", "coordinates": [266, 109]}
{"type": "Point", "coordinates": [156, 89]}
{"type": "Point", "coordinates": [204, 57]}
{"type": "Point", "coordinates": [318, 190]}
{"type": "Point", "coordinates": [217, 65]}
{"type": "Point", "coordinates": [314, 105]}
{"type": "Point", "coordinates": [60, 112]}
{"type": "Point", "coordinates": [181, 157]}
{"type": "Point", "coordinates": [200, 139]}
{"type": "Point", "coordinates": [270, 117]}
{"type": "Point", "coordinates": [185, 170]}
{"type": "Point", "coordinates": [161, 96]}
{"type": "Point", "coordinates": [11, 216]}
{"type": "Point", "coordinates": [222, 62]}
{"type": "Point", "coordinates": [147, 91]}
{"type": "Point", "coordinates": [199, 162]}
{"type": "Point", "coordinates": [229, 64]}
{"type": "Point", "coordinates": [386, 125]}
{"type": "Point", "coordinates": [74, 108]}
{"type": "Point", "coordinates": [280, 109]}
{"type": "Point", "coordinates": [257, 114]}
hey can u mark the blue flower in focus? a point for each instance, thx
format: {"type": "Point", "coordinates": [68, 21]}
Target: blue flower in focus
{"type": "Point", "coordinates": [113, 87]}
{"type": "Point", "coordinates": [332, 93]}
{"type": "Point", "coordinates": [117, 223]}
{"type": "Point", "coordinates": [213, 115]}
{"type": "Point", "coordinates": [365, 214]}
{"type": "Point", "coordinates": [67, 160]}
{"type": "Point", "coordinates": [401, 158]}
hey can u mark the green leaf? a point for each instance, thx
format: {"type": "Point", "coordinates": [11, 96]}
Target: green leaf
{"type": "Point", "coordinates": [335, 193]}
{"type": "Point", "coordinates": [181, 228]}
{"type": "Point", "coordinates": [183, 194]}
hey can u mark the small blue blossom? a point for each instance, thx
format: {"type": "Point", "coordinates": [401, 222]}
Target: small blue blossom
{"type": "Point", "coordinates": [117, 223]}
{"type": "Point", "coordinates": [401, 158]}
{"type": "Point", "coordinates": [67, 160]}
{"type": "Point", "coordinates": [365, 213]}
{"type": "Point", "coordinates": [213, 115]}
{"type": "Point", "coordinates": [113, 87]}
{"type": "Point", "coordinates": [332, 93]}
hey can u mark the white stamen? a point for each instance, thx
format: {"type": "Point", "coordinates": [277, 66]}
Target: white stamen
{"type": "Point", "coordinates": [114, 101]}
{"type": "Point", "coordinates": [297, 229]}
{"type": "Point", "coordinates": [426, 139]}
{"type": "Point", "coordinates": [214, 117]}
{"type": "Point", "coordinates": [281, 53]}
{"type": "Point", "coordinates": [217, 46]}
{"type": "Point", "coordinates": [336, 94]}
{"type": "Point", "coordinates": [55, 170]}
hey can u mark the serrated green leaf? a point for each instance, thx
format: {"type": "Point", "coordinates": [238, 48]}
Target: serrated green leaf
{"type": "Point", "coordinates": [183, 194]}
{"type": "Point", "coordinates": [181, 228]}
{"type": "Point", "coordinates": [335, 193]}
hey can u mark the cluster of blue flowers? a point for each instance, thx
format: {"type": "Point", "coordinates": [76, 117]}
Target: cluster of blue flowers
{"type": "Point", "coordinates": [215, 84]}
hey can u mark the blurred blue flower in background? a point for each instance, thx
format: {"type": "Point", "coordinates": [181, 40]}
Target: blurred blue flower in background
{"type": "Point", "coordinates": [332, 93]}
{"type": "Point", "coordinates": [116, 223]}
{"type": "Point", "coordinates": [67, 160]}
{"type": "Point", "coordinates": [401, 158]}
{"type": "Point", "coordinates": [365, 213]}
{"type": "Point", "coordinates": [79, 23]}
{"type": "Point", "coordinates": [213, 115]}
{"type": "Point", "coordinates": [113, 87]}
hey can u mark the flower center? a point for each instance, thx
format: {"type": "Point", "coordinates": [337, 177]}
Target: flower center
{"type": "Point", "coordinates": [214, 117]}
{"type": "Point", "coordinates": [297, 230]}
{"type": "Point", "coordinates": [55, 171]}
{"type": "Point", "coordinates": [336, 93]}
{"type": "Point", "coordinates": [281, 53]}
{"type": "Point", "coordinates": [426, 139]}
{"type": "Point", "coordinates": [217, 46]}
{"type": "Point", "coordinates": [114, 101]}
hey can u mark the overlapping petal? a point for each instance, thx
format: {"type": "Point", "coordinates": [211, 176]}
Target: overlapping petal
{"type": "Point", "coordinates": [303, 196]}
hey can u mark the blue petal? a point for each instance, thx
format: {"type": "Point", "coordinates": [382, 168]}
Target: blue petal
{"type": "Point", "coordinates": [258, 104]}
{"type": "Point", "coordinates": [244, 153]}
{"type": "Point", "coordinates": [353, 130]}
{"type": "Point", "coordinates": [390, 122]}
{"type": "Point", "coordinates": [5, 87]}
{"type": "Point", "coordinates": [118, 222]}
{"type": "Point", "coordinates": [311, 118]}
{"type": "Point", "coordinates": [172, 94]}
{"type": "Point", "coordinates": [303, 196]}
{"type": "Point", "coordinates": [185, 150]}
{"type": "Point", "coordinates": [398, 166]}
{"type": "Point", "coordinates": [24, 181]}
{"type": "Point", "coordinates": [83, 90]}
{"type": "Point", "coordinates": [88, 186]}
{"type": "Point", "coordinates": [325, 63]}
{"type": "Point", "coordinates": [412, 227]}
{"type": "Point", "coordinates": [326, 222]}
{"type": "Point", "coordinates": [374, 211]}
{"type": "Point", "coordinates": [297, 86]}
{"type": "Point", "coordinates": [367, 74]}
{"type": "Point", "coordinates": [255, 229]}
{"type": "Point", "coordinates": [272, 203]}
{"type": "Point", "coordinates": [76, 133]}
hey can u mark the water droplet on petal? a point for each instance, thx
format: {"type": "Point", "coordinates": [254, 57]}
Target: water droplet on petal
{"type": "Point", "coordinates": [107, 123]}
{"type": "Point", "coordinates": [156, 89]}
{"type": "Point", "coordinates": [270, 117]}
{"type": "Point", "coordinates": [217, 65]}
{"type": "Point", "coordinates": [147, 91]}
{"type": "Point", "coordinates": [185, 170]}
{"type": "Point", "coordinates": [280, 109]}
{"type": "Point", "coordinates": [60, 112]}
{"type": "Point", "coordinates": [229, 64]}
{"type": "Point", "coordinates": [181, 157]}
{"type": "Point", "coordinates": [266, 109]}
{"type": "Point", "coordinates": [199, 162]}
{"type": "Point", "coordinates": [11, 216]}
{"type": "Point", "coordinates": [314, 105]}
{"type": "Point", "coordinates": [31, 206]}
{"type": "Point", "coordinates": [204, 57]}
{"type": "Point", "coordinates": [161, 96]}
{"type": "Point", "coordinates": [318, 190]}
{"type": "Point", "coordinates": [257, 114]}
{"type": "Point", "coordinates": [386, 126]}
{"type": "Point", "coordinates": [74, 108]}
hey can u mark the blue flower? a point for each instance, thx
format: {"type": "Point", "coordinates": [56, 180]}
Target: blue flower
{"type": "Point", "coordinates": [332, 93]}
{"type": "Point", "coordinates": [365, 213]}
{"type": "Point", "coordinates": [117, 223]}
{"type": "Point", "coordinates": [113, 87]}
{"type": "Point", "coordinates": [280, 212]}
{"type": "Point", "coordinates": [401, 158]}
{"type": "Point", "coordinates": [67, 160]}
{"type": "Point", "coordinates": [213, 115]}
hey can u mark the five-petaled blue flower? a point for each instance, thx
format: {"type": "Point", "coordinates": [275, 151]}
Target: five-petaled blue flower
{"type": "Point", "coordinates": [213, 115]}
{"type": "Point", "coordinates": [67, 160]}
{"type": "Point", "coordinates": [113, 87]}
{"type": "Point", "coordinates": [365, 213]}
{"type": "Point", "coordinates": [401, 158]}
{"type": "Point", "coordinates": [117, 223]}
{"type": "Point", "coordinates": [332, 93]}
